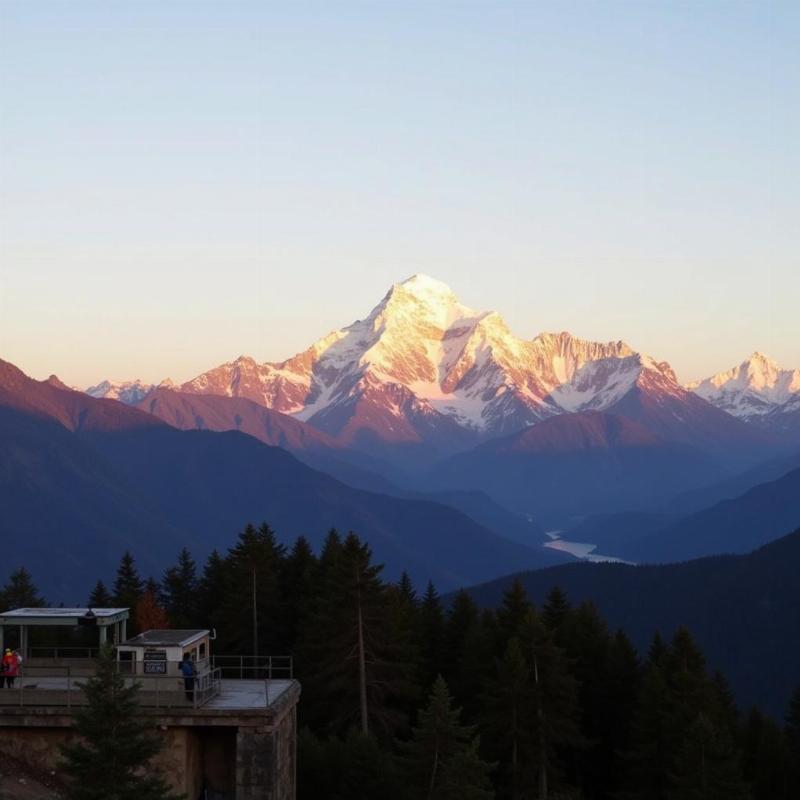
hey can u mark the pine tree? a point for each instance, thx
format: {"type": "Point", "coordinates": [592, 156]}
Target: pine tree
{"type": "Point", "coordinates": [441, 760]}
{"type": "Point", "coordinates": [100, 596]}
{"type": "Point", "coordinates": [368, 771]}
{"type": "Point", "coordinates": [20, 591]}
{"type": "Point", "coordinates": [583, 635]}
{"type": "Point", "coordinates": [128, 586]}
{"type": "Point", "coordinates": [793, 723]}
{"type": "Point", "coordinates": [706, 765]}
{"type": "Point", "coordinates": [108, 761]}
{"type": "Point", "coordinates": [403, 620]}
{"type": "Point", "coordinates": [180, 588]}
{"type": "Point", "coordinates": [406, 588]}
{"type": "Point", "coordinates": [461, 622]}
{"type": "Point", "coordinates": [480, 649]}
{"type": "Point", "coordinates": [509, 720]}
{"type": "Point", "coordinates": [555, 695]}
{"type": "Point", "coordinates": [792, 736]}
{"type": "Point", "coordinates": [210, 591]}
{"type": "Point", "coordinates": [352, 665]}
{"type": "Point", "coordinates": [431, 635]}
{"type": "Point", "coordinates": [298, 581]}
{"type": "Point", "coordinates": [648, 759]}
{"type": "Point", "coordinates": [556, 609]}
{"type": "Point", "coordinates": [512, 613]}
{"type": "Point", "coordinates": [767, 765]}
{"type": "Point", "coordinates": [676, 691]}
{"type": "Point", "coordinates": [251, 618]}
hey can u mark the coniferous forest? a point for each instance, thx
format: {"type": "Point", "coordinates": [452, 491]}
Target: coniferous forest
{"type": "Point", "coordinates": [406, 695]}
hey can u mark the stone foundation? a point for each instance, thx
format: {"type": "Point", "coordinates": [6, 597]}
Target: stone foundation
{"type": "Point", "coordinates": [241, 754]}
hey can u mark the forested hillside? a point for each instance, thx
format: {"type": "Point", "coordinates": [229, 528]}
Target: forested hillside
{"type": "Point", "coordinates": [404, 697]}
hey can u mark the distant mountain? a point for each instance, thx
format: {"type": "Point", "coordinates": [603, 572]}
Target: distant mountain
{"type": "Point", "coordinates": [577, 464]}
{"type": "Point", "coordinates": [74, 410]}
{"type": "Point", "coordinates": [129, 392]}
{"type": "Point", "coordinates": [738, 525]}
{"type": "Point", "coordinates": [743, 610]}
{"type": "Point", "coordinates": [81, 479]}
{"type": "Point", "coordinates": [423, 377]}
{"type": "Point", "coordinates": [758, 391]}
{"type": "Point", "coordinates": [215, 413]}
{"type": "Point", "coordinates": [729, 488]}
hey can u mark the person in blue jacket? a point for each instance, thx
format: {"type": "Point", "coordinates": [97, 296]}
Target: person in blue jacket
{"type": "Point", "coordinates": [187, 670]}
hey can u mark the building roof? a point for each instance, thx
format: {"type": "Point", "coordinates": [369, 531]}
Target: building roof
{"type": "Point", "coordinates": [166, 638]}
{"type": "Point", "coordinates": [62, 616]}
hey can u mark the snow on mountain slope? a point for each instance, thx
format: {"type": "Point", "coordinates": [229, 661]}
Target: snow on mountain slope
{"type": "Point", "coordinates": [758, 387]}
{"type": "Point", "coordinates": [424, 371]}
{"type": "Point", "coordinates": [423, 362]}
{"type": "Point", "coordinates": [128, 392]}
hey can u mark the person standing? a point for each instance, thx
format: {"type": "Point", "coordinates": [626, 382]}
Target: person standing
{"type": "Point", "coordinates": [10, 667]}
{"type": "Point", "coordinates": [187, 670]}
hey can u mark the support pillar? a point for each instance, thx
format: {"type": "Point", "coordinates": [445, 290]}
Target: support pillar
{"type": "Point", "coordinates": [103, 634]}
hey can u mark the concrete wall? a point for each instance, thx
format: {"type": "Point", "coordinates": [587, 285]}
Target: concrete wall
{"type": "Point", "coordinates": [266, 760]}
{"type": "Point", "coordinates": [180, 761]}
{"type": "Point", "coordinates": [249, 754]}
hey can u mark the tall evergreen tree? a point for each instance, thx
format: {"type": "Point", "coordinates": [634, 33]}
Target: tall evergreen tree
{"type": "Point", "coordinates": [111, 759]}
{"type": "Point", "coordinates": [20, 591]}
{"type": "Point", "coordinates": [180, 590]}
{"type": "Point", "coordinates": [706, 765]}
{"type": "Point", "coordinates": [431, 625]}
{"type": "Point", "coordinates": [353, 668]}
{"type": "Point", "coordinates": [441, 760]}
{"type": "Point", "coordinates": [767, 765]}
{"type": "Point", "coordinates": [509, 721]}
{"type": "Point", "coordinates": [555, 696]}
{"type": "Point", "coordinates": [128, 585]}
{"type": "Point", "coordinates": [210, 591]}
{"type": "Point", "coordinates": [100, 596]}
{"type": "Point", "coordinates": [250, 616]}
{"type": "Point", "coordinates": [462, 620]}
{"type": "Point", "coordinates": [556, 610]}
{"type": "Point", "coordinates": [298, 581]}
{"type": "Point", "coordinates": [792, 738]}
{"type": "Point", "coordinates": [512, 613]}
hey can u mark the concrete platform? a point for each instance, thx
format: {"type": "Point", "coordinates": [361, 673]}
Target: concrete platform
{"type": "Point", "coordinates": [246, 694]}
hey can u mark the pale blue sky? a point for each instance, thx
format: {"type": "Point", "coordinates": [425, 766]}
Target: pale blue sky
{"type": "Point", "coordinates": [184, 182]}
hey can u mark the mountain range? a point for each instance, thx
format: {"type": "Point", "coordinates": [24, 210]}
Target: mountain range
{"type": "Point", "coordinates": [83, 479]}
{"type": "Point", "coordinates": [424, 410]}
{"type": "Point", "coordinates": [423, 376]}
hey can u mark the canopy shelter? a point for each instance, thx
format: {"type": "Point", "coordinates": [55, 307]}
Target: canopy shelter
{"type": "Point", "coordinates": [113, 620]}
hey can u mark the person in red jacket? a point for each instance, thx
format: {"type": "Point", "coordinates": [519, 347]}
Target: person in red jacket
{"type": "Point", "coordinates": [10, 668]}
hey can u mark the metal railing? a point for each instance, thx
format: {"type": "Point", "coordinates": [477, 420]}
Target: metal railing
{"type": "Point", "coordinates": [70, 652]}
{"type": "Point", "coordinates": [60, 686]}
{"type": "Point", "coordinates": [254, 667]}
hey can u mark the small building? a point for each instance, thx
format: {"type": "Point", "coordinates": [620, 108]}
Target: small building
{"type": "Point", "coordinates": [230, 733]}
{"type": "Point", "coordinates": [160, 652]}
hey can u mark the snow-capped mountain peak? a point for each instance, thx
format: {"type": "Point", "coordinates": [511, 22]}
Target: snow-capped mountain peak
{"type": "Point", "coordinates": [756, 387]}
{"type": "Point", "coordinates": [423, 367]}
{"type": "Point", "coordinates": [129, 392]}
{"type": "Point", "coordinates": [421, 353]}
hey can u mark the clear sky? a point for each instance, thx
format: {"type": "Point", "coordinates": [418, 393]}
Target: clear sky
{"type": "Point", "coordinates": [184, 182]}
